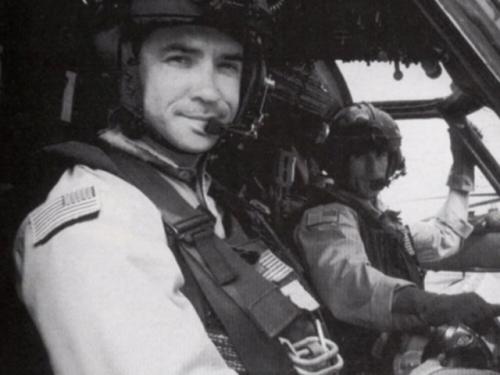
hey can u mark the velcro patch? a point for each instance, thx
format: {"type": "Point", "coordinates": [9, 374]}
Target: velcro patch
{"type": "Point", "coordinates": [63, 210]}
{"type": "Point", "coordinates": [324, 216]}
{"type": "Point", "coordinates": [299, 296]}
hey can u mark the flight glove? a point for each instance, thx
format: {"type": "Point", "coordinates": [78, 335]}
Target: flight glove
{"type": "Point", "coordinates": [437, 309]}
{"type": "Point", "coordinates": [461, 175]}
{"type": "Point", "coordinates": [468, 308]}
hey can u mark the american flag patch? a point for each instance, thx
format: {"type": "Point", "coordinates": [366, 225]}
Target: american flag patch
{"type": "Point", "coordinates": [67, 208]}
{"type": "Point", "coordinates": [272, 268]}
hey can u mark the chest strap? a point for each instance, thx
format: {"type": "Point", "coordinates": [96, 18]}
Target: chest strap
{"type": "Point", "coordinates": [250, 307]}
{"type": "Point", "coordinates": [193, 229]}
{"type": "Point", "coordinates": [220, 273]}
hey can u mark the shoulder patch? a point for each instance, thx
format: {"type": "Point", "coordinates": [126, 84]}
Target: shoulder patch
{"type": "Point", "coordinates": [324, 215]}
{"type": "Point", "coordinates": [62, 211]}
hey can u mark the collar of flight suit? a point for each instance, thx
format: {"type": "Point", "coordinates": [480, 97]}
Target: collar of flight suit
{"type": "Point", "coordinates": [184, 167]}
{"type": "Point", "coordinates": [189, 179]}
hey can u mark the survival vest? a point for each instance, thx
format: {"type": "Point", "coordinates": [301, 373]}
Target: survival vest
{"type": "Point", "coordinates": [387, 241]}
{"type": "Point", "coordinates": [389, 248]}
{"type": "Point", "coordinates": [253, 304]}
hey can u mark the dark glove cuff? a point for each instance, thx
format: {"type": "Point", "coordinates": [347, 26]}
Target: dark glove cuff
{"type": "Point", "coordinates": [424, 305]}
{"type": "Point", "coordinates": [413, 301]}
{"type": "Point", "coordinates": [461, 180]}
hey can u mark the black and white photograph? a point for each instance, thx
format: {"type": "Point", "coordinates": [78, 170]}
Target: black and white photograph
{"type": "Point", "coordinates": [250, 187]}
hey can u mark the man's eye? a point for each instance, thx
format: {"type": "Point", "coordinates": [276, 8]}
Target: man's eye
{"type": "Point", "coordinates": [231, 67]}
{"type": "Point", "coordinates": [179, 60]}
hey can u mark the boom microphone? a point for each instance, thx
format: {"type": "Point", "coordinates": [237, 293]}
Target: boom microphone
{"type": "Point", "coordinates": [215, 127]}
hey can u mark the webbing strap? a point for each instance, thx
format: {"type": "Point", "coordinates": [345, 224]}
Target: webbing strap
{"type": "Point", "coordinates": [260, 354]}
{"type": "Point", "coordinates": [156, 188]}
{"type": "Point", "coordinates": [269, 309]}
{"type": "Point", "coordinates": [183, 221]}
{"type": "Point", "coordinates": [219, 267]}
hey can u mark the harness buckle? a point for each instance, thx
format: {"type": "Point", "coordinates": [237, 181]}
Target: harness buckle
{"type": "Point", "coordinates": [186, 230]}
{"type": "Point", "coordinates": [314, 356]}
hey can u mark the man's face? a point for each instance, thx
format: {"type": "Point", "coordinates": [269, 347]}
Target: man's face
{"type": "Point", "coordinates": [367, 173]}
{"type": "Point", "coordinates": [190, 75]}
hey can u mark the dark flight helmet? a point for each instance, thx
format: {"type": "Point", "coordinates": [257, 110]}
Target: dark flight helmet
{"type": "Point", "coordinates": [358, 129]}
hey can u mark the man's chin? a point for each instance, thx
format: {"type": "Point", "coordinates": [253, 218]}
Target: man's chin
{"type": "Point", "coordinates": [201, 142]}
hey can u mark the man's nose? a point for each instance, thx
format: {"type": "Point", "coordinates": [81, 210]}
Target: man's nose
{"type": "Point", "coordinates": [376, 166]}
{"type": "Point", "coordinates": [206, 88]}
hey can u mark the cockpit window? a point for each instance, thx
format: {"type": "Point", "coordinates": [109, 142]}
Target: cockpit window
{"type": "Point", "coordinates": [479, 21]}
{"type": "Point", "coordinates": [488, 123]}
{"type": "Point", "coordinates": [423, 189]}
{"type": "Point", "coordinates": [428, 159]}
{"type": "Point", "coordinates": [375, 82]}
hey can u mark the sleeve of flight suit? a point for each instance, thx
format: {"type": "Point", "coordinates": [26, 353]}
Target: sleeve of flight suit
{"type": "Point", "coordinates": [104, 291]}
{"type": "Point", "coordinates": [443, 236]}
{"type": "Point", "coordinates": [353, 290]}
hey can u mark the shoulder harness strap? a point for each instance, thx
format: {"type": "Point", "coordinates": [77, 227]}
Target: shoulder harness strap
{"type": "Point", "coordinates": [222, 273]}
{"type": "Point", "coordinates": [251, 308]}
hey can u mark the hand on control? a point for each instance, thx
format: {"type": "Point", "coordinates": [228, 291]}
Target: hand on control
{"type": "Point", "coordinates": [468, 308]}
{"type": "Point", "coordinates": [461, 176]}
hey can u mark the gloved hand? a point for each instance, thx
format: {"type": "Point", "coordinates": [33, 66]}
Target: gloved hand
{"type": "Point", "coordinates": [468, 308]}
{"type": "Point", "coordinates": [437, 309]}
{"type": "Point", "coordinates": [461, 176]}
{"type": "Point", "coordinates": [458, 149]}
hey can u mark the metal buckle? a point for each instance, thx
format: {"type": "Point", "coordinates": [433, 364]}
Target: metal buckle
{"type": "Point", "coordinates": [185, 230]}
{"type": "Point", "coordinates": [314, 355]}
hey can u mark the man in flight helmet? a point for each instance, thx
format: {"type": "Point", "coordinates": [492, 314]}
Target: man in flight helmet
{"type": "Point", "coordinates": [363, 261]}
{"type": "Point", "coordinates": [363, 128]}
{"type": "Point", "coordinates": [128, 265]}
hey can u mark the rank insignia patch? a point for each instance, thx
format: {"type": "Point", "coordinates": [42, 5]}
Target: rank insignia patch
{"type": "Point", "coordinates": [62, 211]}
